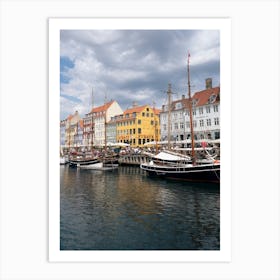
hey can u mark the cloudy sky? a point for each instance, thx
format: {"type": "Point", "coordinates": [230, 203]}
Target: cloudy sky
{"type": "Point", "coordinates": [133, 66]}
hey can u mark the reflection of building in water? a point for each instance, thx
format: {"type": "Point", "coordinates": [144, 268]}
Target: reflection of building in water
{"type": "Point", "coordinates": [138, 194]}
{"type": "Point", "coordinates": [122, 209]}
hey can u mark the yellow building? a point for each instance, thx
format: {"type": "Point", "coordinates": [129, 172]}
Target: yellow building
{"type": "Point", "coordinates": [71, 129]}
{"type": "Point", "coordinates": [138, 125]}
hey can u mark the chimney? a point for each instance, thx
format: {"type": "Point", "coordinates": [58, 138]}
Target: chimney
{"type": "Point", "coordinates": [208, 83]}
{"type": "Point", "coordinates": [183, 96]}
{"type": "Point", "coordinates": [134, 104]}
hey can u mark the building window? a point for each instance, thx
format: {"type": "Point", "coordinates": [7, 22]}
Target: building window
{"type": "Point", "coordinates": [216, 121]}
{"type": "Point", "coordinates": [176, 126]}
{"type": "Point", "coordinates": [194, 102]}
{"type": "Point", "coordinates": [133, 130]}
{"type": "Point", "coordinates": [134, 115]}
{"type": "Point", "coordinates": [208, 122]}
{"type": "Point", "coordinates": [147, 115]}
{"type": "Point", "coordinates": [139, 121]}
{"type": "Point", "coordinates": [152, 114]}
{"type": "Point", "coordinates": [152, 122]}
{"type": "Point", "coordinates": [181, 125]}
{"type": "Point", "coordinates": [139, 141]}
{"type": "Point", "coordinates": [143, 114]}
{"type": "Point", "coordinates": [194, 112]}
{"type": "Point", "coordinates": [201, 123]}
{"type": "Point", "coordinates": [208, 109]}
{"type": "Point", "coordinates": [216, 109]}
{"type": "Point", "coordinates": [139, 130]}
{"type": "Point", "coordinates": [147, 109]}
{"type": "Point", "coordinates": [178, 105]}
{"type": "Point", "coordinates": [200, 111]}
{"type": "Point", "coordinates": [164, 127]}
{"type": "Point", "coordinates": [212, 98]}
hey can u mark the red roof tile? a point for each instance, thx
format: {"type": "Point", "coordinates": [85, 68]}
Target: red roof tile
{"type": "Point", "coordinates": [102, 108]}
{"type": "Point", "coordinates": [69, 117]}
{"type": "Point", "coordinates": [135, 110]}
{"type": "Point", "coordinates": [202, 98]}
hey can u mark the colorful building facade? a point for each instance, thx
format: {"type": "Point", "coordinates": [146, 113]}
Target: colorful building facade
{"type": "Point", "coordinates": [205, 111]}
{"type": "Point", "coordinates": [95, 122]}
{"type": "Point", "coordinates": [138, 126]}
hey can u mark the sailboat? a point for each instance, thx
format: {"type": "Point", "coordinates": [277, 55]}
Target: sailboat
{"type": "Point", "coordinates": [190, 169]}
{"type": "Point", "coordinates": [105, 161]}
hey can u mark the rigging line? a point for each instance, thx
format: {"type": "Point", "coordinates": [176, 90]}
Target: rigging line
{"type": "Point", "coordinates": [215, 173]}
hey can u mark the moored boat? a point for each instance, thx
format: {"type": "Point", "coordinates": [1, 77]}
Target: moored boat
{"type": "Point", "coordinates": [78, 161]}
{"type": "Point", "coordinates": [191, 169]}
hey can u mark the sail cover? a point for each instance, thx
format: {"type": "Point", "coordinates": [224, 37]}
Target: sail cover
{"type": "Point", "coordinates": [170, 157]}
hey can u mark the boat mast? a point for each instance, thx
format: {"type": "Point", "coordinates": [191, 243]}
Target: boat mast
{"type": "Point", "coordinates": [155, 125]}
{"type": "Point", "coordinates": [190, 110]}
{"type": "Point", "coordinates": [105, 122]}
{"type": "Point", "coordinates": [169, 92]}
{"type": "Point", "coordinates": [92, 119]}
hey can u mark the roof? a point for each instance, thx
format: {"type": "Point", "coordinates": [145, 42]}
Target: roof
{"type": "Point", "coordinates": [135, 109]}
{"type": "Point", "coordinates": [140, 109]}
{"type": "Point", "coordinates": [202, 98]}
{"type": "Point", "coordinates": [157, 111]}
{"type": "Point", "coordinates": [69, 117]}
{"type": "Point", "coordinates": [102, 108]}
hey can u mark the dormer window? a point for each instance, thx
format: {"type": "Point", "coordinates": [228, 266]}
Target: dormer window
{"type": "Point", "coordinates": [194, 102]}
{"type": "Point", "coordinates": [212, 98]}
{"type": "Point", "coordinates": [178, 105]}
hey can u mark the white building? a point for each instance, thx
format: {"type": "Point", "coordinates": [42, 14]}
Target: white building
{"type": "Point", "coordinates": [95, 121]}
{"type": "Point", "coordinates": [206, 116]}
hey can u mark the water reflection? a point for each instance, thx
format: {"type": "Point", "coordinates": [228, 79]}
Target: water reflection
{"type": "Point", "coordinates": [126, 210]}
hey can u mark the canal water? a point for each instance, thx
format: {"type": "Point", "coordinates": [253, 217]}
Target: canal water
{"type": "Point", "coordinates": [124, 209]}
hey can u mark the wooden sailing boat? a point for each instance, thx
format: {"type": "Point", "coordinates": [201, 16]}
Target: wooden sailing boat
{"type": "Point", "coordinates": [84, 159]}
{"type": "Point", "coordinates": [184, 170]}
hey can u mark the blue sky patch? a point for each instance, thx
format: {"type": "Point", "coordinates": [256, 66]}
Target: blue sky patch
{"type": "Point", "coordinates": [71, 98]}
{"type": "Point", "coordinates": [65, 64]}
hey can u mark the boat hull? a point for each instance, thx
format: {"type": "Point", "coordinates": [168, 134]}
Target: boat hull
{"type": "Point", "coordinates": [199, 173]}
{"type": "Point", "coordinates": [77, 163]}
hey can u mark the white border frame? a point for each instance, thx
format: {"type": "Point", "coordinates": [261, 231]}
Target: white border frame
{"type": "Point", "coordinates": [221, 24]}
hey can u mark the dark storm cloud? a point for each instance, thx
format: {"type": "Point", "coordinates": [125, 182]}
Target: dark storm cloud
{"type": "Point", "coordinates": [135, 65]}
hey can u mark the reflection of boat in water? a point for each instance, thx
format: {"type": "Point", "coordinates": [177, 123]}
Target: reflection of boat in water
{"type": "Point", "coordinates": [63, 160]}
{"type": "Point", "coordinates": [193, 169]}
{"type": "Point", "coordinates": [100, 166]}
